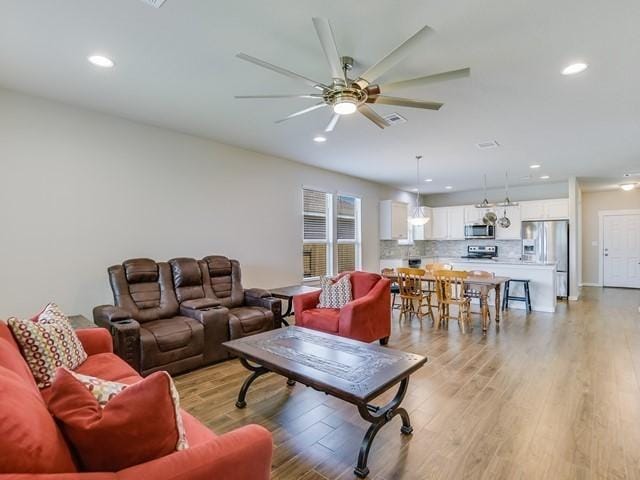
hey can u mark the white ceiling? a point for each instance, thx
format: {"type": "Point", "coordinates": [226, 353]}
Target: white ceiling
{"type": "Point", "coordinates": [176, 67]}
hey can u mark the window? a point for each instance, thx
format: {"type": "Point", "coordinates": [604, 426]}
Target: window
{"type": "Point", "coordinates": [348, 233]}
{"type": "Point", "coordinates": [317, 243]}
{"type": "Point", "coordinates": [331, 243]}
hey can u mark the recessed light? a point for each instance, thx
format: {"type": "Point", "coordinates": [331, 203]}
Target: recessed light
{"type": "Point", "coordinates": [428, 180]}
{"type": "Point", "coordinates": [627, 187]}
{"type": "Point", "coordinates": [101, 61]}
{"type": "Point", "coordinates": [448, 187]}
{"type": "Point", "coordinates": [574, 68]}
{"type": "Point", "coordinates": [534, 166]}
{"type": "Point", "coordinates": [319, 139]}
{"type": "Point", "coordinates": [544, 177]}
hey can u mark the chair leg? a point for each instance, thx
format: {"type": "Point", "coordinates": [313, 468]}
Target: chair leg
{"type": "Point", "coordinates": [527, 296]}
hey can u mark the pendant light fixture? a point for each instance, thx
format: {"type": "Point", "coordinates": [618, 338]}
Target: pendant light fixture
{"type": "Point", "coordinates": [507, 201]}
{"type": "Point", "coordinates": [418, 216]}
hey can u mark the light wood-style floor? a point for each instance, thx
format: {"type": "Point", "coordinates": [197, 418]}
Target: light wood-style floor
{"type": "Point", "coordinates": [545, 396]}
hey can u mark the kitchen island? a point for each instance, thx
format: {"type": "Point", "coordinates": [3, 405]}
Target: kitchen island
{"type": "Point", "coordinates": [542, 276]}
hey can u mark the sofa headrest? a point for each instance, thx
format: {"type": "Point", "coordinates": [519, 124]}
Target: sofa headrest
{"type": "Point", "coordinates": [141, 270]}
{"type": "Point", "coordinates": [219, 266]}
{"type": "Point", "coordinates": [186, 272]}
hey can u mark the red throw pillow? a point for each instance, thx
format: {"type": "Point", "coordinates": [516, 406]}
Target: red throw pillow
{"type": "Point", "coordinates": [114, 426]}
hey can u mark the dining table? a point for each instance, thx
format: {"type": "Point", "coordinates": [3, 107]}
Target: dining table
{"type": "Point", "coordinates": [482, 285]}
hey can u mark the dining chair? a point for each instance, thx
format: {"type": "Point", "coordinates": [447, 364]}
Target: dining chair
{"type": "Point", "coordinates": [450, 289]}
{"type": "Point", "coordinates": [472, 293]}
{"type": "Point", "coordinates": [430, 291]}
{"type": "Point", "coordinates": [411, 293]}
{"type": "Point", "coordinates": [395, 288]}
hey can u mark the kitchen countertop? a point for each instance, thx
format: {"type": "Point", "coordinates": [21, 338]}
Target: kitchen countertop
{"type": "Point", "coordinates": [488, 261]}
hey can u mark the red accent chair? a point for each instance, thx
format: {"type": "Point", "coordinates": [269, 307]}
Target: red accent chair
{"type": "Point", "coordinates": [366, 318]}
{"type": "Point", "coordinates": [33, 448]}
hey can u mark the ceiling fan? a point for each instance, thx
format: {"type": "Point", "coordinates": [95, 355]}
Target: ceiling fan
{"type": "Point", "coordinates": [347, 95]}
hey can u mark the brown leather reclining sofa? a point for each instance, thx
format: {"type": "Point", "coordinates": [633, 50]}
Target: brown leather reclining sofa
{"type": "Point", "coordinates": [175, 315]}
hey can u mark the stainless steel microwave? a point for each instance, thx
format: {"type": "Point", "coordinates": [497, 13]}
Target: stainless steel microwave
{"type": "Point", "coordinates": [479, 231]}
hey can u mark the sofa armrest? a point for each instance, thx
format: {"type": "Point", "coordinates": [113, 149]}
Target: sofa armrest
{"type": "Point", "coordinates": [95, 340]}
{"type": "Point", "coordinates": [364, 309]}
{"type": "Point", "coordinates": [124, 330]}
{"type": "Point", "coordinates": [257, 297]}
{"type": "Point", "coordinates": [103, 315]}
{"type": "Point", "coordinates": [242, 454]}
{"type": "Point", "coordinates": [305, 301]}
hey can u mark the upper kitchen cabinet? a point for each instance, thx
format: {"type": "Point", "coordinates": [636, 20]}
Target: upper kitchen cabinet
{"type": "Point", "coordinates": [455, 223]}
{"type": "Point", "coordinates": [514, 231]}
{"type": "Point", "coordinates": [439, 223]}
{"type": "Point", "coordinates": [473, 215]}
{"type": "Point", "coordinates": [557, 209]}
{"type": "Point", "coordinates": [393, 220]}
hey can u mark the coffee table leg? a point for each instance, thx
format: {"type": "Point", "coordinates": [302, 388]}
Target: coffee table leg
{"type": "Point", "coordinates": [257, 372]}
{"type": "Point", "coordinates": [379, 416]}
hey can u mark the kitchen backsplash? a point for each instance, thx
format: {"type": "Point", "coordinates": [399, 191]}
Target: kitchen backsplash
{"type": "Point", "coordinates": [446, 248]}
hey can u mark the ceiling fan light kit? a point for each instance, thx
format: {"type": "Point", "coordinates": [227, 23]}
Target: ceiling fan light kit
{"type": "Point", "coordinates": [348, 95]}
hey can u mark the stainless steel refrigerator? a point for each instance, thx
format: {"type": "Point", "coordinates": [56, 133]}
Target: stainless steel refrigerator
{"type": "Point", "coordinates": [544, 242]}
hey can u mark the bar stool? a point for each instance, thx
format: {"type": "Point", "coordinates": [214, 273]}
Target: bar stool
{"type": "Point", "coordinates": [507, 296]}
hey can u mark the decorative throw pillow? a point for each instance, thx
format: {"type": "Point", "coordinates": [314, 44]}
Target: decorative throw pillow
{"type": "Point", "coordinates": [114, 426]}
{"type": "Point", "coordinates": [48, 342]}
{"type": "Point", "coordinates": [335, 293]}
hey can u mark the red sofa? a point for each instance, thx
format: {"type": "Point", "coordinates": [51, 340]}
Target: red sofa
{"type": "Point", "coordinates": [367, 318]}
{"type": "Point", "coordinates": [31, 441]}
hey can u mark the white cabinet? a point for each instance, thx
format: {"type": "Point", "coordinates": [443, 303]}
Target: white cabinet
{"type": "Point", "coordinates": [514, 232]}
{"type": "Point", "coordinates": [455, 223]}
{"type": "Point", "coordinates": [423, 232]}
{"type": "Point", "coordinates": [393, 220]}
{"type": "Point", "coordinates": [440, 223]}
{"type": "Point", "coordinates": [473, 215]}
{"type": "Point", "coordinates": [557, 209]}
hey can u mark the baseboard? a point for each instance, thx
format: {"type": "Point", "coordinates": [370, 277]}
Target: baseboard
{"type": "Point", "coordinates": [585, 284]}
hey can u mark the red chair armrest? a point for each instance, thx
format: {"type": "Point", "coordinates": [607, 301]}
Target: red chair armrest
{"type": "Point", "coordinates": [95, 340]}
{"type": "Point", "coordinates": [378, 300]}
{"type": "Point", "coordinates": [305, 301]}
{"type": "Point", "coordinates": [242, 454]}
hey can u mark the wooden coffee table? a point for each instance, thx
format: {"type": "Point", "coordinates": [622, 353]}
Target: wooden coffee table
{"type": "Point", "coordinates": [353, 371]}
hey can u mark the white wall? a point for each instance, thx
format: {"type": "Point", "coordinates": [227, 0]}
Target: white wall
{"type": "Point", "coordinates": [81, 191]}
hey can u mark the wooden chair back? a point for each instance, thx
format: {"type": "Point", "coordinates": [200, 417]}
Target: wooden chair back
{"type": "Point", "coordinates": [450, 285]}
{"type": "Point", "coordinates": [388, 271]}
{"type": "Point", "coordinates": [410, 282]}
{"type": "Point", "coordinates": [480, 274]}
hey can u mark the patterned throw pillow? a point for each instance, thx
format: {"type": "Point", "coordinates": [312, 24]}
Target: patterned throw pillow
{"type": "Point", "coordinates": [48, 342]}
{"type": "Point", "coordinates": [335, 294]}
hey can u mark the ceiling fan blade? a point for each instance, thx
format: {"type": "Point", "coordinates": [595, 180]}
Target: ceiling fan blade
{"type": "Point", "coordinates": [328, 42]}
{"type": "Point", "coordinates": [282, 71]}
{"type": "Point", "coordinates": [426, 80]}
{"type": "Point", "coordinates": [332, 123]}
{"type": "Point", "coordinates": [304, 95]}
{"type": "Point", "coordinates": [368, 112]}
{"type": "Point", "coordinates": [394, 57]}
{"type": "Point", "coordinates": [404, 102]}
{"type": "Point", "coordinates": [302, 112]}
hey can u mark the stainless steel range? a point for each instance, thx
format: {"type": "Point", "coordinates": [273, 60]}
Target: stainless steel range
{"type": "Point", "coordinates": [481, 251]}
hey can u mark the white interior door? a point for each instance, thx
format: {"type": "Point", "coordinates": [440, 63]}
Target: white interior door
{"type": "Point", "coordinates": [621, 236]}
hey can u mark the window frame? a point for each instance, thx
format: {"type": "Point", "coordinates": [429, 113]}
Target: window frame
{"type": "Point", "coordinates": [357, 241]}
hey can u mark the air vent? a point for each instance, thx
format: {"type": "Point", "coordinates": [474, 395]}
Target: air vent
{"type": "Point", "coordinates": [154, 3]}
{"type": "Point", "coordinates": [488, 145]}
{"type": "Point", "coordinates": [395, 118]}
{"type": "Point", "coordinates": [628, 175]}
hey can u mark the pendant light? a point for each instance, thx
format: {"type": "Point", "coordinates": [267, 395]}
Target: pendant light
{"type": "Point", "coordinates": [507, 201]}
{"type": "Point", "coordinates": [418, 216]}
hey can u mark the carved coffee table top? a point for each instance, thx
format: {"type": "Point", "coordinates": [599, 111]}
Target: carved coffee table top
{"type": "Point", "coordinates": [348, 369]}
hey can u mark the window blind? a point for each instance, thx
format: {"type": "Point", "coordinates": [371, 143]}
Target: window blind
{"type": "Point", "coordinates": [316, 242]}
